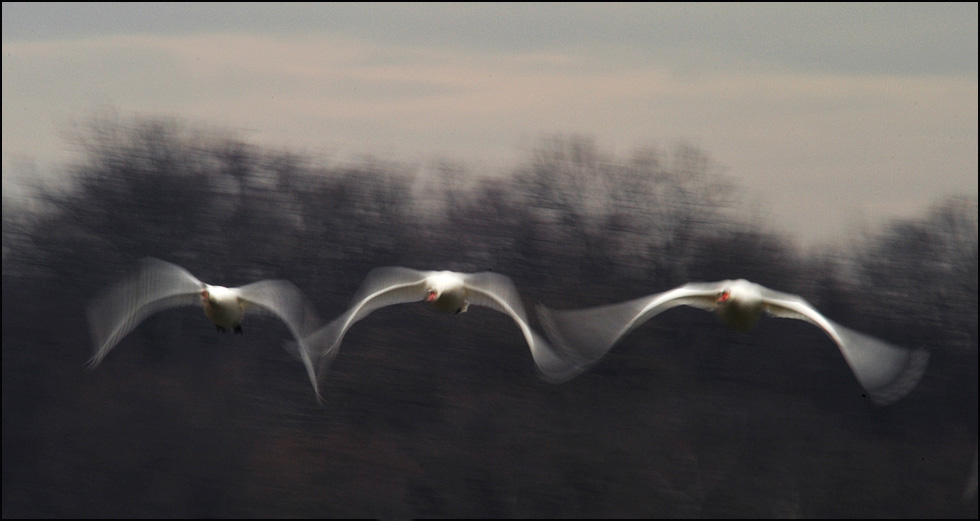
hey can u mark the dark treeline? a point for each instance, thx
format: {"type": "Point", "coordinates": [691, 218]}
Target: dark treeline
{"type": "Point", "coordinates": [442, 416]}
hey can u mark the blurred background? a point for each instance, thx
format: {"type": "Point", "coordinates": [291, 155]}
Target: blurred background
{"type": "Point", "coordinates": [434, 415]}
{"type": "Point", "coordinates": [593, 153]}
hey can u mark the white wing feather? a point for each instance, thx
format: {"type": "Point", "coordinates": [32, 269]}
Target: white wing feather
{"type": "Point", "coordinates": [498, 292]}
{"type": "Point", "coordinates": [886, 372]}
{"type": "Point", "coordinates": [157, 285]}
{"type": "Point", "coordinates": [285, 301]}
{"type": "Point", "coordinates": [382, 287]}
{"type": "Point", "coordinates": [584, 336]}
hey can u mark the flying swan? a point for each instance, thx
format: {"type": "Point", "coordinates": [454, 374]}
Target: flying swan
{"type": "Point", "coordinates": [447, 291]}
{"type": "Point", "coordinates": [158, 285]}
{"type": "Point", "coordinates": [583, 336]}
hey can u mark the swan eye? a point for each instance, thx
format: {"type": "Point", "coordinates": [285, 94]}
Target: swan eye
{"type": "Point", "coordinates": [724, 296]}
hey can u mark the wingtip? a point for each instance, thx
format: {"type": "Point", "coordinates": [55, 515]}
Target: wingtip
{"type": "Point", "coordinates": [556, 378]}
{"type": "Point", "coordinates": [555, 365]}
{"type": "Point", "coordinates": [906, 381]}
{"type": "Point", "coordinates": [319, 397]}
{"type": "Point", "coordinates": [542, 311]}
{"type": "Point", "coordinates": [547, 320]}
{"type": "Point", "coordinates": [96, 359]}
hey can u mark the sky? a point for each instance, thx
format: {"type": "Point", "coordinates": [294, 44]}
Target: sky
{"type": "Point", "coordinates": [835, 117]}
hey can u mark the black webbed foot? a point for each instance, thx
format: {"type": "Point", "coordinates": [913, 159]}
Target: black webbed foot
{"type": "Point", "coordinates": [238, 330]}
{"type": "Point", "coordinates": [223, 330]}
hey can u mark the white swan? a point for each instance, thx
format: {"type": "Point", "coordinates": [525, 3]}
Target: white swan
{"type": "Point", "coordinates": [447, 291]}
{"type": "Point", "coordinates": [885, 371]}
{"type": "Point", "coordinates": [158, 285]}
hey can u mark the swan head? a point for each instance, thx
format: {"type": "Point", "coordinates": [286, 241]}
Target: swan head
{"type": "Point", "coordinates": [724, 296]}
{"type": "Point", "coordinates": [739, 293]}
{"type": "Point", "coordinates": [440, 284]}
{"type": "Point", "coordinates": [446, 291]}
{"type": "Point", "coordinates": [218, 295]}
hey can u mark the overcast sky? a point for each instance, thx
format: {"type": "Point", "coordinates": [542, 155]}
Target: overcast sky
{"type": "Point", "coordinates": [834, 115]}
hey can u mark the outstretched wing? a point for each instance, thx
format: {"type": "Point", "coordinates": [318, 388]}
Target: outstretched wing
{"type": "Point", "coordinates": [585, 335]}
{"type": "Point", "coordinates": [498, 292]}
{"type": "Point", "coordinates": [382, 287]}
{"type": "Point", "coordinates": [284, 300]}
{"type": "Point", "coordinates": [155, 286]}
{"type": "Point", "coordinates": [885, 371]}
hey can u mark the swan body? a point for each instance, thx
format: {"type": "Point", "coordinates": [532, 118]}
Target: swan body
{"type": "Point", "coordinates": [447, 291]}
{"type": "Point", "coordinates": [158, 285]}
{"type": "Point", "coordinates": [583, 336]}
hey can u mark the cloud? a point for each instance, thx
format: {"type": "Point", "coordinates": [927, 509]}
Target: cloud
{"type": "Point", "coordinates": [792, 106]}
